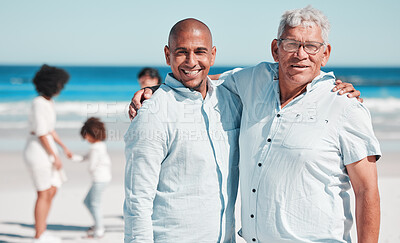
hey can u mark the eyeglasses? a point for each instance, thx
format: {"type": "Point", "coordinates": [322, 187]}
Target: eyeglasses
{"type": "Point", "coordinates": [311, 47]}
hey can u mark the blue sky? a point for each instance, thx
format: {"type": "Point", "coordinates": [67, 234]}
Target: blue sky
{"type": "Point", "coordinates": [132, 32]}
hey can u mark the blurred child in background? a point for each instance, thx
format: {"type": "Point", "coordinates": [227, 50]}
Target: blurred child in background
{"type": "Point", "coordinates": [99, 165]}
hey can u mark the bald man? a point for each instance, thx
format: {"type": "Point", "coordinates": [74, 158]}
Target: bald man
{"type": "Point", "coordinates": [181, 175]}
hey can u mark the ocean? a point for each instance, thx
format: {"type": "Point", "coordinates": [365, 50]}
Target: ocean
{"type": "Point", "coordinates": [105, 92]}
{"type": "Point", "coordinates": [94, 83]}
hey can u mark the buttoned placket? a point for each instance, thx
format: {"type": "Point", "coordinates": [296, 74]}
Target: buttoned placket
{"type": "Point", "coordinates": [262, 167]}
{"type": "Point", "coordinates": [207, 108]}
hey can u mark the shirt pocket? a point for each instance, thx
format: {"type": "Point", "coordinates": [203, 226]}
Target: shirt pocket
{"type": "Point", "coordinates": [303, 136]}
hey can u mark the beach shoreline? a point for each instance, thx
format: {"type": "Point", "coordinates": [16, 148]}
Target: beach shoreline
{"type": "Point", "coordinates": [69, 218]}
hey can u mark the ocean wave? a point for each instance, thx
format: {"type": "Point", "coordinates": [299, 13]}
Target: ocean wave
{"type": "Point", "coordinates": [385, 113]}
{"type": "Point", "coordinates": [91, 107]}
{"type": "Point", "coordinates": [384, 105]}
{"type": "Point", "coordinates": [14, 115]}
{"type": "Point", "coordinates": [63, 108]}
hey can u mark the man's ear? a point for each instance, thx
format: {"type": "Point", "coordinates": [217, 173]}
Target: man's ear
{"type": "Point", "coordinates": [274, 50]}
{"type": "Point", "coordinates": [167, 53]}
{"type": "Point", "coordinates": [213, 53]}
{"type": "Point", "coordinates": [327, 53]}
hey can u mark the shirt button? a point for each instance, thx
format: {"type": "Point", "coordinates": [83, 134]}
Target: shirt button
{"type": "Point", "coordinates": [252, 216]}
{"type": "Point", "coordinates": [279, 115]}
{"type": "Point", "coordinates": [268, 140]}
{"type": "Point", "coordinates": [254, 190]}
{"type": "Point", "coordinates": [259, 164]}
{"type": "Point", "coordinates": [254, 239]}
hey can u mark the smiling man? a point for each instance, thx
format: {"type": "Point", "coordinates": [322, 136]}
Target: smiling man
{"type": "Point", "coordinates": [301, 146]}
{"type": "Point", "coordinates": [190, 55]}
{"type": "Point", "coordinates": [181, 150]}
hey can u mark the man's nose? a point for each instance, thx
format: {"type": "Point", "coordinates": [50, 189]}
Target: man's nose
{"type": "Point", "coordinates": [191, 59]}
{"type": "Point", "coordinates": [301, 53]}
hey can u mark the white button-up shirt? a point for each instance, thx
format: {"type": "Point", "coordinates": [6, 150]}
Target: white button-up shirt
{"type": "Point", "coordinates": [182, 166]}
{"type": "Point", "coordinates": [293, 179]}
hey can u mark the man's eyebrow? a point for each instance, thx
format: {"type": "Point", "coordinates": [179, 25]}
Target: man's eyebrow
{"type": "Point", "coordinates": [197, 49]}
{"type": "Point", "coordinates": [180, 48]}
{"type": "Point", "coordinates": [202, 49]}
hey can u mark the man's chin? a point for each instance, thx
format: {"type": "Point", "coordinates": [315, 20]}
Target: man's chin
{"type": "Point", "coordinates": [192, 84]}
{"type": "Point", "coordinates": [301, 78]}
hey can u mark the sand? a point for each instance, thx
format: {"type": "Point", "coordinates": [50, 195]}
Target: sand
{"type": "Point", "coordinates": [69, 218]}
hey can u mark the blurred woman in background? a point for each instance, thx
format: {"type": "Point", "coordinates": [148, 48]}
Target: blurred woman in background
{"type": "Point", "coordinates": [40, 153]}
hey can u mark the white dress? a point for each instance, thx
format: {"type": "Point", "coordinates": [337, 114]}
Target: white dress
{"type": "Point", "coordinates": [40, 164]}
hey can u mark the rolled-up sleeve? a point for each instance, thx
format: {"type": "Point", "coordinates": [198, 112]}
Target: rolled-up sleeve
{"type": "Point", "coordinates": [357, 138]}
{"type": "Point", "coordinates": [145, 150]}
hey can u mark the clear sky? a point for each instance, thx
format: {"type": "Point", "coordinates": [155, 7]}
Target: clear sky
{"type": "Point", "coordinates": [134, 32]}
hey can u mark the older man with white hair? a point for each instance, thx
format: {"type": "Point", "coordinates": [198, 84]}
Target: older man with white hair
{"type": "Point", "coordinates": [301, 146]}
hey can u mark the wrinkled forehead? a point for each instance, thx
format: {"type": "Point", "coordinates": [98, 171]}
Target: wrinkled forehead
{"type": "Point", "coordinates": [306, 30]}
{"type": "Point", "coordinates": [302, 24]}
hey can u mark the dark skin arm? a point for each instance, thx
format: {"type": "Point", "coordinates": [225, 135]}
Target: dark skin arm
{"type": "Point", "coordinates": [364, 179]}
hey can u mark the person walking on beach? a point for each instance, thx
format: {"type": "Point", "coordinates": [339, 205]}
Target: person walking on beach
{"type": "Point", "coordinates": [181, 175]}
{"type": "Point", "coordinates": [149, 77]}
{"type": "Point", "coordinates": [94, 132]}
{"type": "Point", "coordinates": [40, 153]}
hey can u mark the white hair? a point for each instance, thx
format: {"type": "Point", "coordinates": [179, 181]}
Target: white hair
{"type": "Point", "coordinates": [307, 16]}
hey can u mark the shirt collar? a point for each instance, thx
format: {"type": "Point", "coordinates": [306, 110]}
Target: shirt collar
{"type": "Point", "coordinates": [190, 93]}
{"type": "Point", "coordinates": [274, 67]}
{"type": "Point", "coordinates": [323, 76]}
{"type": "Point", "coordinates": [275, 70]}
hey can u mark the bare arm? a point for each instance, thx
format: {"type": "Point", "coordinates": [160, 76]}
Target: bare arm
{"type": "Point", "coordinates": [364, 178]}
{"type": "Point", "coordinates": [46, 145]}
{"type": "Point", "coordinates": [59, 142]}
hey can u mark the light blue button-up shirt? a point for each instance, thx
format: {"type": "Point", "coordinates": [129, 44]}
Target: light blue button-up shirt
{"type": "Point", "coordinates": [293, 179]}
{"type": "Point", "coordinates": [182, 166]}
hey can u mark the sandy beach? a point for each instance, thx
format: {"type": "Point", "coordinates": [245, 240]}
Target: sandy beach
{"type": "Point", "coordinates": [69, 218]}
